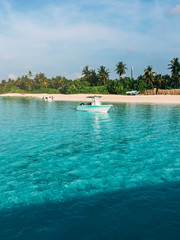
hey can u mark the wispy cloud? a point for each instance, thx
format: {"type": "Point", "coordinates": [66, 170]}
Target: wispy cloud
{"type": "Point", "coordinates": [175, 10]}
{"type": "Point", "coordinates": [73, 75]}
{"type": "Point", "coordinates": [12, 76]}
{"type": "Point", "coordinates": [59, 38]}
{"type": "Point", "coordinates": [7, 58]}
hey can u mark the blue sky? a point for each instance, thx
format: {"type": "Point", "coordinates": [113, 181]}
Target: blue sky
{"type": "Point", "coordinates": [60, 37]}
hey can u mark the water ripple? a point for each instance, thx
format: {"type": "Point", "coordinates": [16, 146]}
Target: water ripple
{"type": "Point", "coordinates": [50, 152]}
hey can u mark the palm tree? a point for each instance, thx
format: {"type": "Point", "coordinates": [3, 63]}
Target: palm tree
{"type": "Point", "coordinates": [174, 66]}
{"type": "Point", "coordinates": [40, 81]}
{"type": "Point", "coordinates": [93, 78]}
{"type": "Point", "coordinates": [103, 74]}
{"type": "Point", "coordinates": [30, 74]}
{"type": "Point", "coordinates": [120, 69]}
{"type": "Point", "coordinates": [86, 72]}
{"type": "Point", "coordinates": [149, 75]}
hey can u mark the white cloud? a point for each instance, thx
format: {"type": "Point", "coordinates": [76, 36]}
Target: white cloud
{"type": "Point", "coordinates": [175, 11]}
{"type": "Point", "coordinates": [12, 76]}
{"type": "Point", "coordinates": [30, 32]}
{"type": "Point", "coordinates": [6, 58]}
{"type": "Point", "coordinates": [73, 75]}
{"type": "Point", "coordinates": [27, 67]}
{"type": "Point", "coordinates": [61, 38]}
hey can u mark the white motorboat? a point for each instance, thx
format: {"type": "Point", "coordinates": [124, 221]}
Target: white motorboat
{"type": "Point", "coordinates": [94, 106]}
{"type": "Point", "coordinates": [48, 98]}
{"type": "Point", "coordinates": [135, 92]}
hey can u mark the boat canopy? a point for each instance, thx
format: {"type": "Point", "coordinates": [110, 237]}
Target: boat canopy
{"type": "Point", "coordinates": [94, 97]}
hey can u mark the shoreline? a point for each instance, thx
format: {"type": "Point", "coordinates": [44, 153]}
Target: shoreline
{"type": "Point", "coordinates": [163, 99]}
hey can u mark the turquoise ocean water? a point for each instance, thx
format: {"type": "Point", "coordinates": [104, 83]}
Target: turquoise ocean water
{"type": "Point", "coordinates": [66, 174]}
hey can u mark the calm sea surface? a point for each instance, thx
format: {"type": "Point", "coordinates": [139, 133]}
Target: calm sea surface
{"type": "Point", "coordinates": [75, 175]}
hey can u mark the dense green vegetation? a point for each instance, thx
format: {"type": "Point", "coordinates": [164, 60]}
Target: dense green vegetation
{"type": "Point", "coordinates": [94, 82]}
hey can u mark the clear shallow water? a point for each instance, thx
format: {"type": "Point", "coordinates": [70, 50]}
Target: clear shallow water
{"type": "Point", "coordinates": [66, 174]}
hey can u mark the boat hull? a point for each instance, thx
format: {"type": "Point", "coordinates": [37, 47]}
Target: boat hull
{"type": "Point", "coordinates": [101, 108]}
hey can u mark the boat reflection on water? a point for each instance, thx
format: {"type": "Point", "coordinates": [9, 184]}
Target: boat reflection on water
{"type": "Point", "coordinates": [100, 121]}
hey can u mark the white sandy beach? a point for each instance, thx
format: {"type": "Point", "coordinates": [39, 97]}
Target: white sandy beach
{"type": "Point", "coordinates": [164, 99]}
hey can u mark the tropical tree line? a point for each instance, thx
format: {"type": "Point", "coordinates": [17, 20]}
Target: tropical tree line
{"type": "Point", "coordinates": [95, 81]}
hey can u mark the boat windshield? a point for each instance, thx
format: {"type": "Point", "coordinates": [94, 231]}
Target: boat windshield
{"type": "Point", "coordinates": [95, 100]}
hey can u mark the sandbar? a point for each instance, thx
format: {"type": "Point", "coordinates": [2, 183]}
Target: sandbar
{"type": "Point", "coordinates": [160, 99]}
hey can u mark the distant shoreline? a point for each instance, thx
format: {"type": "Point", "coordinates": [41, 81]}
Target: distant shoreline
{"type": "Point", "coordinates": [163, 99]}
